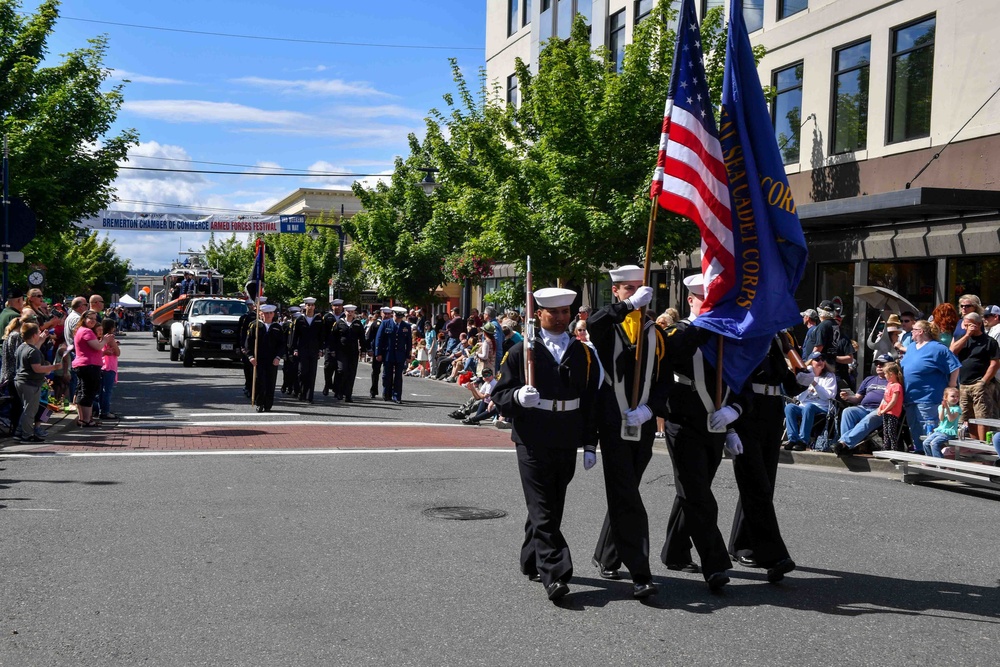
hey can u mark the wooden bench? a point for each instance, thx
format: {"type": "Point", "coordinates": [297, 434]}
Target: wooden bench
{"type": "Point", "coordinates": [974, 445]}
{"type": "Point", "coordinates": [916, 468]}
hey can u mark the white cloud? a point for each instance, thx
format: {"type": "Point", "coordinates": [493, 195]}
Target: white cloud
{"type": "Point", "coordinates": [121, 74]}
{"type": "Point", "coordinates": [200, 111]}
{"type": "Point", "coordinates": [381, 111]}
{"type": "Point", "coordinates": [323, 87]}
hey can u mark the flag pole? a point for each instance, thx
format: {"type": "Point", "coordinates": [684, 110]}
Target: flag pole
{"type": "Point", "coordinates": [642, 319]}
{"type": "Point", "coordinates": [529, 330]}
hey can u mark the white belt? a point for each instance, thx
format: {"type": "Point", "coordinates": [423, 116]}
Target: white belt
{"type": "Point", "coordinates": [766, 389]}
{"type": "Point", "coordinates": [554, 405]}
{"type": "Point", "coordinates": [680, 379]}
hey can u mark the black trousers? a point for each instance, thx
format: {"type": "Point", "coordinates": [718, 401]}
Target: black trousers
{"type": "Point", "coordinates": [329, 368]}
{"type": "Point", "coordinates": [545, 474]}
{"type": "Point", "coordinates": [307, 375]}
{"type": "Point", "coordinates": [376, 374]}
{"type": "Point", "coordinates": [392, 379]}
{"type": "Point", "coordinates": [624, 538]}
{"type": "Point", "coordinates": [695, 455]}
{"type": "Point", "coordinates": [247, 372]}
{"type": "Point", "coordinates": [755, 531]}
{"type": "Point", "coordinates": [290, 376]}
{"type": "Point", "coordinates": [267, 377]}
{"type": "Point", "coordinates": [343, 381]}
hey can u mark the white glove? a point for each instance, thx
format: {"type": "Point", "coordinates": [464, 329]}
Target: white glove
{"type": "Point", "coordinates": [528, 396]}
{"type": "Point", "coordinates": [720, 419]}
{"type": "Point", "coordinates": [589, 460]}
{"type": "Point", "coordinates": [733, 444]}
{"type": "Point", "coordinates": [642, 296]}
{"type": "Point", "coordinates": [639, 416]}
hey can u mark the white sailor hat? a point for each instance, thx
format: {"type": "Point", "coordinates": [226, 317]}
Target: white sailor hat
{"type": "Point", "coordinates": [696, 285]}
{"type": "Point", "coordinates": [309, 300]}
{"type": "Point", "coordinates": [386, 309]}
{"type": "Point", "coordinates": [294, 309]}
{"type": "Point", "coordinates": [553, 297]}
{"type": "Point", "coordinates": [268, 308]}
{"type": "Point", "coordinates": [626, 274]}
{"type": "Point", "coordinates": [399, 310]}
{"type": "Point", "coordinates": [262, 299]}
{"type": "Point", "coordinates": [337, 302]}
{"type": "Point", "coordinates": [350, 307]}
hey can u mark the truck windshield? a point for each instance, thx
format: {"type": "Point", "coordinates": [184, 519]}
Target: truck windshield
{"type": "Point", "coordinates": [218, 308]}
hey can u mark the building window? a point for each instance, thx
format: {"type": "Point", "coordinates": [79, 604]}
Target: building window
{"type": "Point", "coordinates": [527, 13]}
{"type": "Point", "coordinates": [753, 14]}
{"type": "Point", "coordinates": [787, 111]}
{"type": "Point", "coordinates": [616, 41]}
{"type": "Point", "coordinates": [707, 5]}
{"type": "Point", "coordinates": [913, 280]}
{"type": "Point", "coordinates": [788, 7]}
{"type": "Point", "coordinates": [512, 90]}
{"type": "Point", "coordinates": [911, 81]}
{"type": "Point", "coordinates": [564, 18]}
{"type": "Point", "coordinates": [642, 9]}
{"type": "Point", "coordinates": [512, 20]}
{"type": "Point", "coordinates": [545, 21]}
{"type": "Point", "coordinates": [850, 106]}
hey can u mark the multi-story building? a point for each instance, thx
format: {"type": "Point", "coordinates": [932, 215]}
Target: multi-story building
{"type": "Point", "coordinates": [887, 113]}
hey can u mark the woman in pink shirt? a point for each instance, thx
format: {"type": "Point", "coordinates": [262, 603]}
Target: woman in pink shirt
{"type": "Point", "coordinates": [89, 357]}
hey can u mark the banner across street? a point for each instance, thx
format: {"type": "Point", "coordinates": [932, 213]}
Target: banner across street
{"type": "Point", "coordinates": [136, 221]}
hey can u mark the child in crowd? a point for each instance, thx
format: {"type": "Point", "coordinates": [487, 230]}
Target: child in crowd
{"type": "Point", "coordinates": [109, 369]}
{"type": "Point", "coordinates": [423, 358]}
{"type": "Point", "coordinates": [891, 407]}
{"type": "Point", "coordinates": [949, 416]}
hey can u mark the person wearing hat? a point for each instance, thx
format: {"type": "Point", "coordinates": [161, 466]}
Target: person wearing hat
{"type": "Point", "coordinates": [330, 361]}
{"type": "Point", "coordinates": [486, 351]}
{"type": "Point", "coordinates": [188, 285]}
{"type": "Point", "coordinates": [820, 389]}
{"type": "Point", "coordinates": [991, 317]}
{"type": "Point", "coordinates": [265, 344]}
{"type": "Point", "coordinates": [308, 338]}
{"type": "Point", "coordinates": [242, 329]}
{"type": "Point", "coordinates": [348, 338]}
{"type": "Point", "coordinates": [393, 344]}
{"type": "Point", "coordinates": [290, 369]}
{"type": "Point", "coordinates": [552, 418]}
{"type": "Point", "coordinates": [861, 418]}
{"type": "Point", "coordinates": [810, 318]}
{"type": "Point", "coordinates": [385, 313]}
{"type": "Point", "coordinates": [696, 433]}
{"type": "Point", "coordinates": [888, 340]}
{"type": "Point", "coordinates": [755, 539]}
{"type": "Point", "coordinates": [627, 433]}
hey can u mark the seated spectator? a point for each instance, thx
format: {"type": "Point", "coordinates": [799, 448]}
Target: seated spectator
{"type": "Point", "coordinates": [949, 416]}
{"type": "Point", "coordinates": [481, 390]}
{"type": "Point", "coordinates": [891, 408]}
{"type": "Point", "coordinates": [821, 388]}
{"type": "Point", "coordinates": [980, 358]}
{"type": "Point", "coordinates": [861, 419]}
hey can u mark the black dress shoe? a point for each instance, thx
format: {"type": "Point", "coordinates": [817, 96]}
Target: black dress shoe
{"type": "Point", "coordinates": [605, 572]}
{"type": "Point", "coordinates": [556, 590]}
{"type": "Point", "coordinates": [777, 572]}
{"type": "Point", "coordinates": [717, 580]}
{"type": "Point", "coordinates": [799, 447]}
{"type": "Point", "coordinates": [746, 561]}
{"type": "Point", "coordinates": [534, 577]}
{"type": "Point", "coordinates": [397, 400]}
{"type": "Point", "coordinates": [788, 446]}
{"type": "Point", "coordinates": [348, 400]}
{"type": "Point", "coordinates": [373, 394]}
{"type": "Point", "coordinates": [691, 568]}
{"type": "Point", "coordinates": [326, 391]}
{"type": "Point", "coordinates": [642, 591]}
{"type": "Point", "coordinates": [260, 408]}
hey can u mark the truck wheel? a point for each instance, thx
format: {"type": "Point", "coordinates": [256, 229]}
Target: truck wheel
{"type": "Point", "coordinates": [188, 357]}
{"type": "Point", "coordinates": [175, 353]}
{"type": "Point", "coordinates": [161, 344]}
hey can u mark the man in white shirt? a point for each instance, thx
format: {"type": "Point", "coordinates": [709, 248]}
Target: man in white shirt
{"type": "Point", "coordinates": [77, 308]}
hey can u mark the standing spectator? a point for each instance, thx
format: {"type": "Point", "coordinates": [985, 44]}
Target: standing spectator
{"type": "Point", "coordinates": [945, 318]}
{"type": "Point", "coordinates": [96, 303]}
{"type": "Point", "coordinates": [891, 408]}
{"type": "Point", "coordinates": [906, 319]}
{"type": "Point", "coordinates": [11, 341]}
{"type": "Point", "coordinates": [490, 314]}
{"type": "Point", "coordinates": [29, 377]}
{"type": "Point", "coordinates": [928, 367]}
{"type": "Point", "coordinates": [15, 303]}
{"type": "Point", "coordinates": [980, 358]}
{"type": "Point", "coordinates": [967, 303]}
{"type": "Point", "coordinates": [991, 316]}
{"type": "Point", "coordinates": [77, 308]}
{"type": "Point", "coordinates": [810, 318]}
{"type": "Point", "coordinates": [36, 306]}
{"type": "Point", "coordinates": [89, 357]}
{"type": "Point", "coordinates": [887, 342]}
{"type": "Point", "coordinates": [109, 370]}
{"type": "Point", "coordinates": [476, 319]}
{"type": "Point", "coordinates": [486, 353]}
{"type": "Point", "coordinates": [456, 325]}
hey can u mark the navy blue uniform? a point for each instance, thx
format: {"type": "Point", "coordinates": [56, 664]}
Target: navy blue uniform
{"type": "Point", "coordinates": [393, 343]}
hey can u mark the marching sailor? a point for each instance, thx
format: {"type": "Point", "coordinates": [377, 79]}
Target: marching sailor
{"type": "Point", "coordinates": [265, 344]}
{"type": "Point", "coordinates": [349, 340]}
{"type": "Point", "coordinates": [307, 346]}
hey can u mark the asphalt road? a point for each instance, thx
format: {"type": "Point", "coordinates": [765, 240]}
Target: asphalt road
{"type": "Point", "coordinates": [327, 558]}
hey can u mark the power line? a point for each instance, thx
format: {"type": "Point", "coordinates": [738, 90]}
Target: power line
{"type": "Point", "coordinates": [221, 164]}
{"type": "Point", "coordinates": [276, 39]}
{"type": "Point", "coordinates": [318, 174]}
{"type": "Point", "coordinates": [187, 206]}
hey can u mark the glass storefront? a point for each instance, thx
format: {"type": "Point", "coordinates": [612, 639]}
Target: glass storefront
{"type": "Point", "coordinates": [835, 281]}
{"type": "Point", "coordinates": [912, 280]}
{"type": "Point", "coordinates": [974, 275]}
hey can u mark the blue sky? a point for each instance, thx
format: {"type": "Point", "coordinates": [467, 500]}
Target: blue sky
{"type": "Point", "coordinates": [325, 107]}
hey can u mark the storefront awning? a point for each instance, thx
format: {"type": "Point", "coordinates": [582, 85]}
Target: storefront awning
{"type": "Point", "coordinates": [915, 205]}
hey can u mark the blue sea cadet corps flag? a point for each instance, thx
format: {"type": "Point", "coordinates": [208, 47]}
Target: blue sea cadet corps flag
{"type": "Point", "coordinates": [769, 249]}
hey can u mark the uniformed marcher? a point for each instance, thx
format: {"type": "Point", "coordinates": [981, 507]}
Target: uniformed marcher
{"type": "Point", "coordinates": [307, 346]}
{"type": "Point", "coordinates": [551, 420]}
{"type": "Point", "coordinates": [265, 343]}
{"type": "Point", "coordinates": [370, 333]}
{"type": "Point", "coordinates": [393, 344]}
{"type": "Point", "coordinates": [627, 434]}
{"type": "Point", "coordinates": [349, 339]}
{"type": "Point", "coordinates": [290, 370]}
{"type": "Point", "coordinates": [696, 435]}
{"type": "Point", "coordinates": [243, 326]}
{"type": "Point", "coordinates": [755, 540]}
{"type": "Point", "coordinates": [330, 360]}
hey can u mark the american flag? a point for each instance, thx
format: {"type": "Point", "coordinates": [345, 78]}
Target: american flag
{"type": "Point", "coordinates": [257, 273]}
{"type": "Point", "coordinates": [690, 177]}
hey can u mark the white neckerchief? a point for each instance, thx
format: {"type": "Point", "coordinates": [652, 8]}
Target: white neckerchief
{"type": "Point", "coordinates": [556, 344]}
{"type": "Point", "coordinates": [309, 320]}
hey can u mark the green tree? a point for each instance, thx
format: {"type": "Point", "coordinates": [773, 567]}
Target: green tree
{"type": "Point", "coordinates": [77, 264]}
{"type": "Point", "coordinates": [63, 158]}
{"type": "Point", "coordinates": [233, 258]}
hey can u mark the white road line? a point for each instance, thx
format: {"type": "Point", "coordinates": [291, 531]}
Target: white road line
{"type": "Point", "coordinates": [27, 509]}
{"type": "Point", "coordinates": [146, 417]}
{"type": "Point", "coordinates": [306, 422]}
{"type": "Point", "coordinates": [270, 452]}
{"type": "Point", "coordinates": [248, 414]}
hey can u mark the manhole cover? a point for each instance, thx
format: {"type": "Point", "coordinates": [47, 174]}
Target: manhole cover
{"type": "Point", "coordinates": [463, 513]}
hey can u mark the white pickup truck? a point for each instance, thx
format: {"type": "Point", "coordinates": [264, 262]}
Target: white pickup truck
{"type": "Point", "coordinates": [206, 328]}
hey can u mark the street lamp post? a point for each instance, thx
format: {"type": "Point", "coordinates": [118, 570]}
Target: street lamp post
{"type": "Point", "coordinates": [341, 235]}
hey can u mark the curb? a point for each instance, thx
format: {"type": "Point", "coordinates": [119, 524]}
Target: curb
{"type": "Point", "coordinates": [824, 459]}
